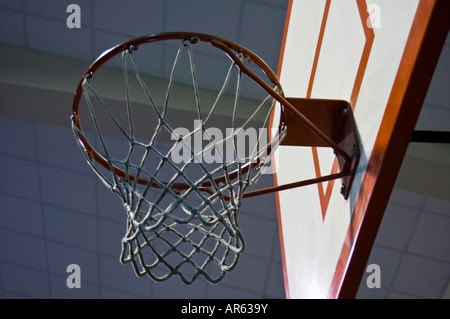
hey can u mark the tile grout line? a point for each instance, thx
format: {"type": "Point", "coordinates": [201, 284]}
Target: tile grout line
{"type": "Point", "coordinates": [93, 31]}
{"type": "Point", "coordinates": [404, 251]}
{"type": "Point", "coordinates": [24, 23]}
{"type": "Point", "coordinates": [271, 260]}
{"type": "Point", "coordinates": [2, 285]}
{"type": "Point", "coordinates": [41, 204]}
{"type": "Point", "coordinates": [97, 226]}
{"type": "Point", "coordinates": [96, 190]}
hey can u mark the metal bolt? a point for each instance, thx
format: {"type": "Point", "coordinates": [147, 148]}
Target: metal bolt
{"type": "Point", "coordinates": [345, 112]}
{"type": "Point", "coordinates": [354, 151]}
{"type": "Point", "coordinates": [194, 40]}
{"type": "Point", "coordinates": [74, 119]}
{"type": "Point", "coordinates": [343, 189]}
{"type": "Point", "coordinates": [131, 49]}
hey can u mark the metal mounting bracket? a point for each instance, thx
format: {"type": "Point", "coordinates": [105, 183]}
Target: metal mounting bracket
{"type": "Point", "coordinates": [330, 118]}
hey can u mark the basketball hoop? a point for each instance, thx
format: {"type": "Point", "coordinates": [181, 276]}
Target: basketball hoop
{"type": "Point", "coordinates": [187, 224]}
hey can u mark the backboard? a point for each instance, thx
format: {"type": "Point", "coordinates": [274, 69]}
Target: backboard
{"type": "Point", "coordinates": [378, 55]}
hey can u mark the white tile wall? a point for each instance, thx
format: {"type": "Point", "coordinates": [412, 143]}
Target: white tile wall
{"type": "Point", "coordinates": [258, 243]}
{"type": "Point", "coordinates": [220, 18]}
{"type": "Point", "coordinates": [60, 290]}
{"type": "Point", "coordinates": [250, 274]}
{"type": "Point", "coordinates": [421, 277]}
{"type": "Point", "coordinates": [11, 168]}
{"type": "Point", "coordinates": [411, 248]}
{"type": "Point", "coordinates": [50, 139]}
{"type": "Point", "coordinates": [406, 198]}
{"type": "Point", "coordinates": [12, 21]}
{"type": "Point", "coordinates": [12, 4]}
{"type": "Point", "coordinates": [255, 36]}
{"type": "Point", "coordinates": [9, 130]}
{"type": "Point", "coordinates": [388, 259]}
{"type": "Point", "coordinates": [274, 287]}
{"type": "Point", "coordinates": [139, 18]}
{"type": "Point", "coordinates": [110, 205]}
{"type": "Point", "coordinates": [438, 91]}
{"type": "Point", "coordinates": [61, 255]}
{"type": "Point", "coordinates": [25, 281]}
{"type": "Point", "coordinates": [430, 236]}
{"type": "Point", "coordinates": [23, 249]}
{"type": "Point", "coordinates": [438, 205]}
{"type": "Point", "coordinates": [21, 215]}
{"type": "Point", "coordinates": [74, 43]}
{"type": "Point", "coordinates": [81, 195]}
{"type": "Point", "coordinates": [71, 228]}
{"type": "Point", "coordinates": [110, 236]}
{"type": "Point", "coordinates": [56, 9]}
{"type": "Point", "coordinates": [120, 277]}
{"type": "Point", "coordinates": [435, 113]}
{"type": "Point", "coordinates": [397, 226]}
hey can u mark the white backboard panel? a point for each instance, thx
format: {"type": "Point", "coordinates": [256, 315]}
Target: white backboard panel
{"type": "Point", "coordinates": [363, 52]}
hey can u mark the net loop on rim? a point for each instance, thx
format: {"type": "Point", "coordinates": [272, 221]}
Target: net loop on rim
{"type": "Point", "coordinates": [186, 223]}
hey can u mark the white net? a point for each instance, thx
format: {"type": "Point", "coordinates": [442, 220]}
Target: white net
{"type": "Point", "coordinates": [182, 202]}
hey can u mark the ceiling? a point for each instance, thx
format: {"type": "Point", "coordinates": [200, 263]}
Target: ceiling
{"type": "Point", "coordinates": [42, 61]}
